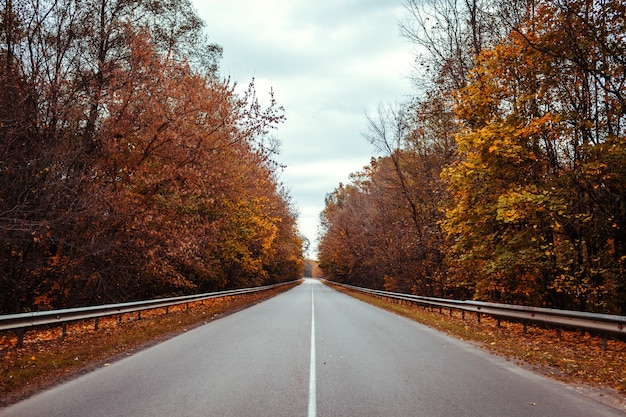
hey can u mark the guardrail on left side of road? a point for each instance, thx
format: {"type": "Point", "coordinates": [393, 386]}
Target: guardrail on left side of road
{"type": "Point", "coordinates": [23, 321]}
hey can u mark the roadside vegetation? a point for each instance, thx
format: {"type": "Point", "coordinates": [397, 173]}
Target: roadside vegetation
{"type": "Point", "coordinates": [130, 168]}
{"type": "Point", "coordinates": [503, 178]}
{"type": "Point", "coordinates": [46, 358]}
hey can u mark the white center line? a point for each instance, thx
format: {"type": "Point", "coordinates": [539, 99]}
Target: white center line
{"type": "Point", "coordinates": [312, 382]}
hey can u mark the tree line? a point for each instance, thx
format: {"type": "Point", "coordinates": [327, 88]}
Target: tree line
{"type": "Point", "coordinates": [129, 168]}
{"type": "Point", "coordinates": [504, 179]}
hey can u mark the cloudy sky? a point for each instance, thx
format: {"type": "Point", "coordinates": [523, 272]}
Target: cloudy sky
{"type": "Point", "coordinates": [329, 63]}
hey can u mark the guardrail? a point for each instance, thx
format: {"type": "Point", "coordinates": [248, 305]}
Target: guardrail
{"type": "Point", "coordinates": [603, 323]}
{"type": "Point", "coordinates": [24, 321]}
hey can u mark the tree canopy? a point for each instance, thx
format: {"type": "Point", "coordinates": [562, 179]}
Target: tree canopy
{"type": "Point", "coordinates": [129, 168]}
{"type": "Point", "coordinates": [528, 203]}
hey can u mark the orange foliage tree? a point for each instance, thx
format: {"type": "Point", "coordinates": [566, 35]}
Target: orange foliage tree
{"type": "Point", "coordinates": [533, 198]}
{"type": "Point", "coordinates": [137, 172]}
{"type": "Point", "coordinates": [539, 214]}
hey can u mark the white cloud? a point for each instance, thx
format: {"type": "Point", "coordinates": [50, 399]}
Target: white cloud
{"type": "Point", "coordinates": [328, 62]}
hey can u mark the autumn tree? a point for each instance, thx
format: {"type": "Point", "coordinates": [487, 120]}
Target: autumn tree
{"type": "Point", "coordinates": [136, 171]}
{"type": "Point", "coordinates": [341, 248]}
{"type": "Point", "coordinates": [417, 142]}
{"type": "Point", "coordinates": [532, 93]}
{"type": "Point", "coordinates": [382, 231]}
{"type": "Point", "coordinates": [534, 214]}
{"type": "Point", "coordinates": [401, 194]}
{"type": "Point", "coordinates": [448, 36]}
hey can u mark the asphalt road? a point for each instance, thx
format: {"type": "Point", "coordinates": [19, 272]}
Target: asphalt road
{"type": "Point", "coordinates": [312, 352]}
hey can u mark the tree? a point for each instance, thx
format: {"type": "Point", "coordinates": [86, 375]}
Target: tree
{"type": "Point", "coordinates": [449, 35]}
{"type": "Point", "coordinates": [532, 92]}
{"type": "Point", "coordinates": [343, 248]}
{"type": "Point", "coordinates": [131, 168]}
{"type": "Point", "coordinates": [537, 120]}
{"type": "Point", "coordinates": [382, 230]}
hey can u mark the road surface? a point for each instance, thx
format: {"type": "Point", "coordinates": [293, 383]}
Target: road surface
{"type": "Point", "coordinates": [312, 351]}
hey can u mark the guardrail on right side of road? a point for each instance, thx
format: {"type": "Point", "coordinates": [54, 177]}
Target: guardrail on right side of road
{"type": "Point", "coordinates": [603, 323]}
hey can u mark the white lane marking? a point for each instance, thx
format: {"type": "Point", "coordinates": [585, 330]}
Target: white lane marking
{"type": "Point", "coordinates": [312, 382]}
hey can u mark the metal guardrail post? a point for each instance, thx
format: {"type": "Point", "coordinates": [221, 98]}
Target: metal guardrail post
{"type": "Point", "coordinates": [20, 337]}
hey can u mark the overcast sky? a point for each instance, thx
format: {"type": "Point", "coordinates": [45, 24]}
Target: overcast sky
{"type": "Point", "coordinates": [328, 62]}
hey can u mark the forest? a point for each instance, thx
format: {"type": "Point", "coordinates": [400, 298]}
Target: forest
{"type": "Point", "coordinates": [504, 177]}
{"type": "Point", "coordinates": [129, 168]}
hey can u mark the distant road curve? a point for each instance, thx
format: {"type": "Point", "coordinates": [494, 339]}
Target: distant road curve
{"type": "Point", "coordinates": [312, 351]}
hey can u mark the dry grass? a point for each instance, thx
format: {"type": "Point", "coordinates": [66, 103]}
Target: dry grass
{"type": "Point", "coordinates": [574, 357]}
{"type": "Point", "coordinates": [46, 358]}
